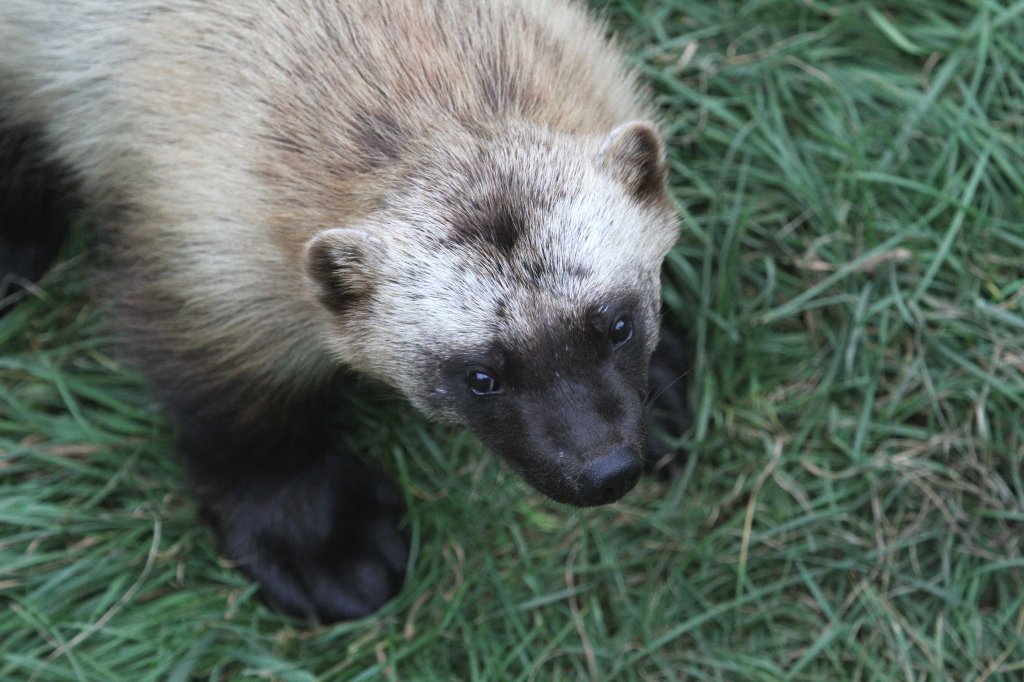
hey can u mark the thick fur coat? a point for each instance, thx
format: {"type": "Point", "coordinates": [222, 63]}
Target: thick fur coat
{"type": "Point", "coordinates": [461, 199]}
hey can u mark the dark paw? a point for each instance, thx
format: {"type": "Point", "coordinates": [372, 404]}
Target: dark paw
{"type": "Point", "coordinates": [669, 404]}
{"type": "Point", "coordinates": [34, 209]}
{"type": "Point", "coordinates": [20, 266]}
{"type": "Point", "coordinates": [323, 543]}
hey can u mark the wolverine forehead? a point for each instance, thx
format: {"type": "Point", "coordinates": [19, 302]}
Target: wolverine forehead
{"type": "Point", "coordinates": [500, 225]}
{"type": "Point", "coordinates": [502, 194]}
{"type": "Point", "coordinates": [492, 217]}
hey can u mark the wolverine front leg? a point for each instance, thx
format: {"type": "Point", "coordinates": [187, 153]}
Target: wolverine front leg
{"type": "Point", "coordinates": [314, 526]}
{"type": "Point", "coordinates": [668, 402]}
{"type": "Point", "coordinates": [34, 208]}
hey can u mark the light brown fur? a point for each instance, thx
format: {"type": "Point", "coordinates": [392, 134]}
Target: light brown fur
{"type": "Point", "coordinates": [218, 139]}
{"type": "Point", "coordinates": [460, 198]}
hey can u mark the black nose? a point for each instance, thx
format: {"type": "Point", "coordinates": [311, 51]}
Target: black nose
{"type": "Point", "coordinates": [608, 477]}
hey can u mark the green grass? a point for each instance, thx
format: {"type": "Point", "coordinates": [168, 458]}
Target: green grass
{"type": "Point", "coordinates": [852, 278]}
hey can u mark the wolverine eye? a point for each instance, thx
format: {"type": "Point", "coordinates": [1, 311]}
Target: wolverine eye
{"type": "Point", "coordinates": [620, 331]}
{"type": "Point", "coordinates": [482, 383]}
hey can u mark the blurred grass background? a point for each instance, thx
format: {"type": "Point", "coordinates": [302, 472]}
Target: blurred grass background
{"type": "Point", "coordinates": [852, 180]}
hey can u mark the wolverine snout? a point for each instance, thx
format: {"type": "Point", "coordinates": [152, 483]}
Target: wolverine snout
{"type": "Point", "coordinates": [608, 477]}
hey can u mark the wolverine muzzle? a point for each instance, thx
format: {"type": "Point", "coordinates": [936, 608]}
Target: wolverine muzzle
{"type": "Point", "coordinates": [610, 476]}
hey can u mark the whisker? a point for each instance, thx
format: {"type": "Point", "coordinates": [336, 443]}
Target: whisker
{"type": "Point", "coordinates": [653, 397]}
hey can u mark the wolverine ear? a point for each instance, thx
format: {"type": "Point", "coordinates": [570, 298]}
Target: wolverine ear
{"type": "Point", "coordinates": [341, 264]}
{"type": "Point", "coordinates": [634, 155]}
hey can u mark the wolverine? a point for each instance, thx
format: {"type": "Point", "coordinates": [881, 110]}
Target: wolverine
{"type": "Point", "coordinates": [464, 200]}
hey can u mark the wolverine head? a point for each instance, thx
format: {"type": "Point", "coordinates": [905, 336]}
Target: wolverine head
{"type": "Point", "coordinates": [510, 284]}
